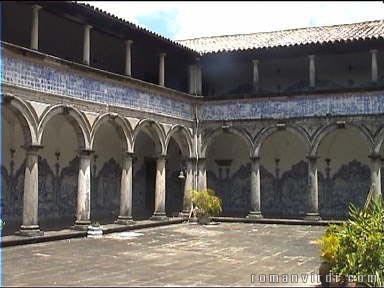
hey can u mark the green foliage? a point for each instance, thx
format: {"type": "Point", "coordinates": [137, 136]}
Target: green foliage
{"type": "Point", "coordinates": [357, 246]}
{"type": "Point", "coordinates": [2, 223]}
{"type": "Point", "coordinates": [206, 201]}
{"type": "Point", "coordinates": [95, 224]}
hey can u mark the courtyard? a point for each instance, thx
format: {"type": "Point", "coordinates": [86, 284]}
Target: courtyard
{"type": "Point", "coordinates": [226, 254]}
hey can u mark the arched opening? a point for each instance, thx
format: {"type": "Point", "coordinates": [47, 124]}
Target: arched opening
{"type": "Point", "coordinates": [147, 147]}
{"type": "Point", "coordinates": [15, 135]}
{"type": "Point", "coordinates": [58, 171]}
{"type": "Point", "coordinates": [343, 172]}
{"type": "Point", "coordinates": [283, 175]}
{"type": "Point", "coordinates": [109, 145]}
{"type": "Point", "coordinates": [228, 173]}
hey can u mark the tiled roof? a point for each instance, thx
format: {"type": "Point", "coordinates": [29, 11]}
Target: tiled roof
{"type": "Point", "coordinates": [286, 38]}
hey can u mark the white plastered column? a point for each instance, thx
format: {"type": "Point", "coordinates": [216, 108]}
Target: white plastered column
{"type": "Point", "coordinates": [35, 27]}
{"type": "Point", "coordinates": [162, 69]}
{"type": "Point", "coordinates": [128, 57]}
{"type": "Point", "coordinates": [188, 186]}
{"type": "Point", "coordinates": [87, 44]}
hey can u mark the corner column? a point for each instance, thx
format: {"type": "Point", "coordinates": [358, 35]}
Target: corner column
{"type": "Point", "coordinates": [255, 189]}
{"type": "Point", "coordinates": [312, 71]}
{"type": "Point", "coordinates": [83, 213]}
{"type": "Point", "coordinates": [188, 186]}
{"type": "Point", "coordinates": [159, 213]}
{"type": "Point", "coordinates": [125, 215]}
{"type": "Point", "coordinates": [128, 57]}
{"type": "Point", "coordinates": [201, 174]}
{"type": "Point", "coordinates": [374, 68]}
{"type": "Point", "coordinates": [376, 173]}
{"type": "Point", "coordinates": [35, 27]}
{"type": "Point", "coordinates": [30, 226]}
{"type": "Point", "coordinates": [87, 44]}
{"type": "Point", "coordinates": [162, 69]}
{"type": "Point", "coordinates": [313, 190]}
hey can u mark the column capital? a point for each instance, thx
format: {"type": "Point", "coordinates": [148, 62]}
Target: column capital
{"type": "Point", "coordinates": [161, 157]}
{"type": "Point", "coordinates": [129, 42]}
{"type": "Point", "coordinates": [255, 158]}
{"type": "Point", "coordinates": [312, 57]}
{"type": "Point", "coordinates": [255, 61]}
{"type": "Point", "coordinates": [32, 148]}
{"type": "Point", "coordinates": [162, 54]}
{"type": "Point", "coordinates": [375, 156]}
{"type": "Point", "coordinates": [86, 152]}
{"type": "Point", "coordinates": [312, 157]}
{"type": "Point", "coordinates": [87, 26]}
{"type": "Point", "coordinates": [128, 154]}
{"type": "Point", "coordinates": [36, 7]}
{"type": "Point", "coordinates": [373, 51]}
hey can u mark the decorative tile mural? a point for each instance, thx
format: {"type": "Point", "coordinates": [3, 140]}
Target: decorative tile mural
{"type": "Point", "coordinates": [47, 79]}
{"type": "Point", "coordinates": [290, 107]}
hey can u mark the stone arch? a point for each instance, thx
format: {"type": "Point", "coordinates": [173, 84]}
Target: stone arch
{"type": "Point", "coordinates": [266, 132]}
{"type": "Point", "coordinates": [154, 130]}
{"type": "Point", "coordinates": [78, 121]}
{"type": "Point", "coordinates": [122, 127]}
{"type": "Point", "coordinates": [183, 138]}
{"type": "Point", "coordinates": [328, 129]}
{"type": "Point", "coordinates": [378, 141]}
{"type": "Point", "coordinates": [25, 113]}
{"type": "Point", "coordinates": [235, 131]}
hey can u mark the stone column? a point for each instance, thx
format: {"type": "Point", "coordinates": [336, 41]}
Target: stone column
{"type": "Point", "coordinates": [188, 186]}
{"type": "Point", "coordinates": [313, 190]}
{"type": "Point", "coordinates": [201, 174]}
{"type": "Point", "coordinates": [198, 78]}
{"type": "Point", "coordinates": [125, 216]}
{"type": "Point", "coordinates": [374, 68]}
{"type": "Point", "coordinates": [312, 71]}
{"type": "Point", "coordinates": [87, 44]}
{"type": "Point", "coordinates": [162, 69]}
{"type": "Point", "coordinates": [255, 189]}
{"type": "Point", "coordinates": [84, 191]}
{"type": "Point", "coordinates": [159, 213]}
{"type": "Point", "coordinates": [255, 75]}
{"type": "Point", "coordinates": [30, 226]}
{"type": "Point", "coordinates": [128, 57]}
{"type": "Point", "coordinates": [376, 173]}
{"type": "Point", "coordinates": [35, 27]}
{"type": "Point", "coordinates": [191, 79]}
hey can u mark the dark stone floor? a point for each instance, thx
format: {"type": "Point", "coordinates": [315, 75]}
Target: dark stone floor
{"type": "Point", "coordinates": [226, 254]}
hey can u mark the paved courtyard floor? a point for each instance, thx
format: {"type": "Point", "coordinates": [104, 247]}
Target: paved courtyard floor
{"type": "Point", "coordinates": [226, 254]}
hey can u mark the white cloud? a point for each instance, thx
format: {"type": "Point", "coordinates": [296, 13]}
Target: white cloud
{"type": "Point", "coordinates": [198, 19]}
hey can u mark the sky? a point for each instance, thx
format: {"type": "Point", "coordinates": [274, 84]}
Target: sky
{"type": "Point", "coordinates": [192, 19]}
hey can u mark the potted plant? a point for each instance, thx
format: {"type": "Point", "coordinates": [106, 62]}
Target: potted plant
{"type": "Point", "coordinates": [95, 230]}
{"type": "Point", "coordinates": [205, 205]}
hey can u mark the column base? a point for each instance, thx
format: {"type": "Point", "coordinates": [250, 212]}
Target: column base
{"type": "Point", "coordinates": [159, 216]}
{"type": "Point", "coordinates": [312, 216]}
{"type": "Point", "coordinates": [29, 231]}
{"type": "Point", "coordinates": [124, 220]}
{"type": "Point", "coordinates": [254, 215]}
{"type": "Point", "coordinates": [81, 225]}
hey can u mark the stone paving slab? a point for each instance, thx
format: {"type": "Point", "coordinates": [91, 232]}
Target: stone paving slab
{"type": "Point", "coordinates": [186, 254]}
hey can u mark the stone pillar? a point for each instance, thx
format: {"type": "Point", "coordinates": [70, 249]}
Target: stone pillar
{"type": "Point", "coordinates": [376, 173]}
{"type": "Point", "coordinates": [30, 226]}
{"type": "Point", "coordinates": [159, 213]}
{"type": "Point", "coordinates": [255, 75]}
{"type": "Point", "coordinates": [84, 191]}
{"type": "Point", "coordinates": [313, 190]}
{"type": "Point", "coordinates": [374, 68]}
{"type": "Point", "coordinates": [191, 79]}
{"type": "Point", "coordinates": [198, 78]}
{"type": "Point", "coordinates": [128, 58]}
{"type": "Point", "coordinates": [188, 186]}
{"type": "Point", "coordinates": [312, 71]}
{"type": "Point", "coordinates": [255, 189]}
{"type": "Point", "coordinates": [201, 174]}
{"type": "Point", "coordinates": [125, 215]}
{"type": "Point", "coordinates": [162, 69]}
{"type": "Point", "coordinates": [87, 44]}
{"type": "Point", "coordinates": [35, 27]}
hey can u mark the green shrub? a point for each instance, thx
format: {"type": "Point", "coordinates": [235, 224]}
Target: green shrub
{"type": "Point", "coordinates": [357, 246]}
{"type": "Point", "coordinates": [207, 202]}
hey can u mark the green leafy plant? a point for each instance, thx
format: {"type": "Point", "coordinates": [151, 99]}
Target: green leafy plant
{"type": "Point", "coordinates": [357, 246]}
{"type": "Point", "coordinates": [206, 202]}
{"type": "Point", "coordinates": [95, 224]}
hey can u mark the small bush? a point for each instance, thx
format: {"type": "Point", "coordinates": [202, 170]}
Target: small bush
{"type": "Point", "coordinates": [207, 202]}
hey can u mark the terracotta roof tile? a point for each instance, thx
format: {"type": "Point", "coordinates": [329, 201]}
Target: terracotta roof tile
{"type": "Point", "coordinates": [285, 38]}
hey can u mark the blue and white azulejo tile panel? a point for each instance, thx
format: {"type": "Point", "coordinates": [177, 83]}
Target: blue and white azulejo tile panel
{"type": "Point", "coordinates": [47, 79]}
{"type": "Point", "coordinates": [303, 106]}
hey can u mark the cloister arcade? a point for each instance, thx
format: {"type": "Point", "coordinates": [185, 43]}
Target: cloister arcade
{"type": "Point", "coordinates": [62, 168]}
